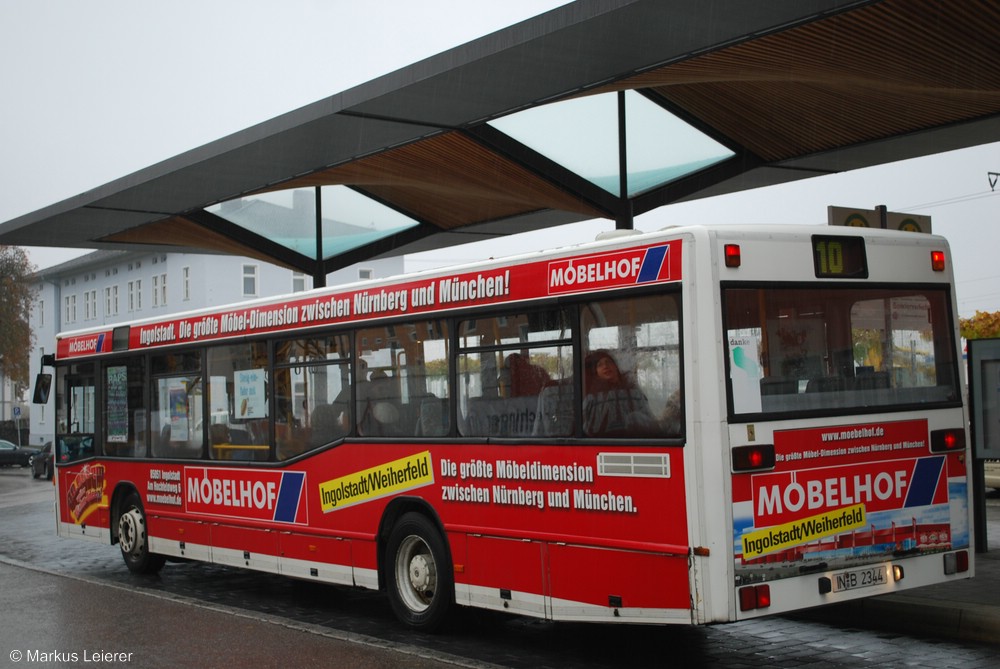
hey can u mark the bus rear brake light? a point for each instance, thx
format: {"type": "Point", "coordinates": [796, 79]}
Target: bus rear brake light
{"type": "Point", "coordinates": [755, 597]}
{"type": "Point", "coordinates": [755, 457]}
{"type": "Point", "coordinates": [947, 441]}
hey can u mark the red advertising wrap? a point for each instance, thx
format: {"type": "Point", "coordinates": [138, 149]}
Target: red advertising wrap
{"type": "Point", "coordinates": [578, 274]}
{"type": "Point", "coordinates": [842, 493]}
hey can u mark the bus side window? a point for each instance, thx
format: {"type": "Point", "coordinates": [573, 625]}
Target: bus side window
{"type": "Point", "coordinates": [632, 367]}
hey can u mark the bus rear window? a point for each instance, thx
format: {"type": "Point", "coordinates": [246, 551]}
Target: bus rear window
{"type": "Point", "coordinates": [811, 349]}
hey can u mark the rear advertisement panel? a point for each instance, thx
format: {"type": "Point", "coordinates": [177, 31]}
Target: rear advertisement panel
{"type": "Point", "coordinates": [848, 494]}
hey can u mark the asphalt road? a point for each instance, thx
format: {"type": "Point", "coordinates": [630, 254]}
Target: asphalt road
{"type": "Point", "coordinates": [75, 597]}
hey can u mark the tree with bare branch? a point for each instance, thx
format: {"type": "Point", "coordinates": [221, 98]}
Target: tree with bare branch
{"type": "Point", "coordinates": [16, 301]}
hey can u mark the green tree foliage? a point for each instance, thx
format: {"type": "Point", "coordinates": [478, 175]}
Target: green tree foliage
{"type": "Point", "coordinates": [983, 325]}
{"type": "Point", "coordinates": [16, 300]}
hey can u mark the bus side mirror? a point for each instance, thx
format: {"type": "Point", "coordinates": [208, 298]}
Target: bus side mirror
{"type": "Point", "coordinates": [43, 384]}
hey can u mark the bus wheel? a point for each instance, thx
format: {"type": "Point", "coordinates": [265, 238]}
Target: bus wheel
{"type": "Point", "coordinates": [132, 538]}
{"type": "Point", "coordinates": [420, 585]}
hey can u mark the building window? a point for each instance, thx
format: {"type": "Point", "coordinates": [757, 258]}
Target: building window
{"type": "Point", "coordinates": [159, 290]}
{"type": "Point", "coordinates": [249, 280]}
{"type": "Point", "coordinates": [111, 301]}
{"type": "Point", "coordinates": [365, 273]}
{"type": "Point", "coordinates": [89, 305]}
{"type": "Point", "coordinates": [186, 283]}
{"type": "Point", "coordinates": [135, 295]}
{"type": "Point", "coordinates": [298, 282]}
{"type": "Point", "coordinates": [70, 304]}
{"type": "Point", "coordinates": [41, 313]}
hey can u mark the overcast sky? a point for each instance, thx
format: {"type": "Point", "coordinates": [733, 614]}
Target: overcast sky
{"type": "Point", "coordinates": [93, 91]}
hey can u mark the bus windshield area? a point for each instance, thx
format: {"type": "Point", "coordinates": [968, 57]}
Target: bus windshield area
{"type": "Point", "coordinates": [817, 349]}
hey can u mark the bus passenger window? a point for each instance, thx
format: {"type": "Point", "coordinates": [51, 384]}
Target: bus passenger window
{"type": "Point", "coordinates": [312, 387]}
{"type": "Point", "coordinates": [507, 365]}
{"type": "Point", "coordinates": [406, 390]}
{"type": "Point", "coordinates": [238, 398]}
{"type": "Point", "coordinates": [631, 371]}
{"type": "Point", "coordinates": [124, 411]}
{"type": "Point", "coordinates": [175, 414]}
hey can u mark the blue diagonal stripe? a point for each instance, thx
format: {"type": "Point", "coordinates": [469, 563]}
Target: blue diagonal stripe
{"type": "Point", "coordinates": [651, 264]}
{"type": "Point", "coordinates": [926, 475]}
{"type": "Point", "coordinates": [289, 495]}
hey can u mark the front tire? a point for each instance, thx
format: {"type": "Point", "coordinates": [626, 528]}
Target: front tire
{"type": "Point", "coordinates": [133, 539]}
{"type": "Point", "coordinates": [420, 581]}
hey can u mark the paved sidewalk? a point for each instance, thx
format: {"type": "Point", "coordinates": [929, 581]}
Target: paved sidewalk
{"type": "Point", "coordinates": [52, 620]}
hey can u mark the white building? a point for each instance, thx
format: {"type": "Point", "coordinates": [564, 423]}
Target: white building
{"type": "Point", "coordinates": [110, 287]}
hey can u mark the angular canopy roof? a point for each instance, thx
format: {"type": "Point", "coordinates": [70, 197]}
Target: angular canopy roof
{"type": "Point", "coordinates": [598, 109]}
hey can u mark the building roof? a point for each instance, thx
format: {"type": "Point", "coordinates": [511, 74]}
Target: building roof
{"type": "Point", "coordinates": [506, 133]}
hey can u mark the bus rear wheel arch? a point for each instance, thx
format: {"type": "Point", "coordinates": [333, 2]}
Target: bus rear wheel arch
{"type": "Point", "coordinates": [133, 538]}
{"type": "Point", "coordinates": [417, 573]}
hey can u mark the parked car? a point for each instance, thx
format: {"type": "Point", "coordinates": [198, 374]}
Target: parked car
{"type": "Point", "coordinates": [993, 474]}
{"type": "Point", "coordinates": [41, 464]}
{"type": "Point", "coordinates": [12, 454]}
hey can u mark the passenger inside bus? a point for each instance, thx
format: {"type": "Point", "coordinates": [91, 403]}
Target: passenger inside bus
{"type": "Point", "coordinates": [379, 406]}
{"type": "Point", "coordinates": [521, 377]}
{"type": "Point", "coordinates": [613, 406]}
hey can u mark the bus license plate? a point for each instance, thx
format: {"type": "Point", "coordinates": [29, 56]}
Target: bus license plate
{"type": "Point", "coordinates": [859, 578]}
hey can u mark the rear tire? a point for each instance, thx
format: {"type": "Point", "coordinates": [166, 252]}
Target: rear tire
{"type": "Point", "coordinates": [420, 581]}
{"type": "Point", "coordinates": [133, 539]}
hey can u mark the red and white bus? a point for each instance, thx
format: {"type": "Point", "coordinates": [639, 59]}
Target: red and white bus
{"type": "Point", "coordinates": [700, 425]}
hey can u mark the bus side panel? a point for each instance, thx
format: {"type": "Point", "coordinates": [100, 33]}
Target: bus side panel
{"type": "Point", "coordinates": [84, 493]}
{"type": "Point", "coordinates": [245, 547]}
{"type": "Point", "coordinates": [180, 537]}
{"type": "Point", "coordinates": [525, 524]}
{"type": "Point", "coordinates": [614, 583]}
{"type": "Point", "coordinates": [514, 570]}
{"type": "Point", "coordinates": [615, 537]}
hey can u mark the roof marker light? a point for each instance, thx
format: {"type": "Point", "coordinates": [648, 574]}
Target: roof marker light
{"type": "Point", "coordinates": [732, 253]}
{"type": "Point", "coordinates": [937, 261]}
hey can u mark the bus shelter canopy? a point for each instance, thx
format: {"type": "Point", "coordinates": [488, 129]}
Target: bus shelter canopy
{"type": "Point", "coordinates": [597, 109]}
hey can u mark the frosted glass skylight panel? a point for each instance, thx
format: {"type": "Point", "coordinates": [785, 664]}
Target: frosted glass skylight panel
{"type": "Point", "coordinates": [582, 135]}
{"type": "Point", "coordinates": [661, 147]}
{"type": "Point", "coordinates": [579, 134]}
{"type": "Point", "coordinates": [288, 218]}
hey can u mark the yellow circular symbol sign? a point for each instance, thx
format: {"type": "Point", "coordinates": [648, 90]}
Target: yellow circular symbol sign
{"type": "Point", "coordinates": [909, 225]}
{"type": "Point", "coordinates": [856, 221]}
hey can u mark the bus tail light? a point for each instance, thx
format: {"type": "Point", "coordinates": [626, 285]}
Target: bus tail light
{"type": "Point", "coordinates": [956, 563]}
{"type": "Point", "coordinates": [937, 261]}
{"type": "Point", "coordinates": [754, 457]}
{"type": "Point", "coordinates": [755, 597]}
{"type": "Point", "coordinates": [732, 253]}
{"type": "Point", "coordinates": [947, 441]}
